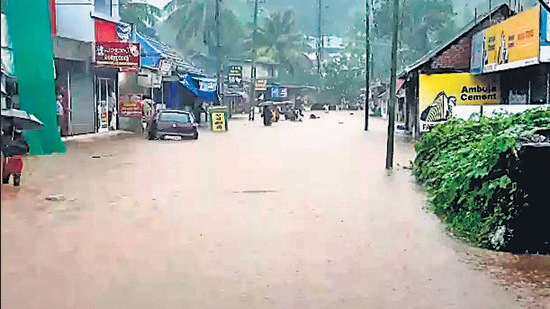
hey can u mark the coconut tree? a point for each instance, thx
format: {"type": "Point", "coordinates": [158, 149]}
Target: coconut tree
{"type": "Point", "coordinates": [191, 26]}
{"type": "Point", "coordinates": [144, 16]}
{"type": "Point", "coordinates": [276, 40]}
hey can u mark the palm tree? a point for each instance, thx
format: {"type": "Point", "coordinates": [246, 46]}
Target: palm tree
{"type": "Point", "coordinates": [143, 15]}
{"type": "Point", "coordinates": [191, 25]}
{"type": "Point", "coordinates": [276, 40]}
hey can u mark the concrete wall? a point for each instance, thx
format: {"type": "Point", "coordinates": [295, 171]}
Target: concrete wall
{"type": "Point", "coordinates": [74, 18]}
{"type": "Point", "coordinates": [71, 13]}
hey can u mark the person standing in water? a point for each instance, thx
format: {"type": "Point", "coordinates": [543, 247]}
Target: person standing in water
{"type": "Point", "coordinates": [14, 147]}
{"type": "Point", "coordinates": [267, 115]}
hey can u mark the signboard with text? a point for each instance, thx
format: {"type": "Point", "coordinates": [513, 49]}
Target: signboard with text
{"type": "Point", "coordinates": [441, 95]}
{"type": "Point", "coordinates": [218, 122]}
{"type": "Point", "coordinates": [235, 77]}
{"type": "Point", "coordinates": [512, 43]}
{"type": "Point", "coordinates": [279, 92]}
{"type": "Point", "coordinates": [261, 84]}
{"type": "Point", "coordinates": [130, 105]}
{"type": "Point", "coordinates": [118, 54]}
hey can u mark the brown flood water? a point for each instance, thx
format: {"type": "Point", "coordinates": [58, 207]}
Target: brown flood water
{"type": "Point", "coordinates": [298, 215]}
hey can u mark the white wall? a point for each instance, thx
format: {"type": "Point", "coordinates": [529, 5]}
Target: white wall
{"type": "Point", "coordinates": [7, 58]}
{"type": "Point", "coordinates": [74, 18]}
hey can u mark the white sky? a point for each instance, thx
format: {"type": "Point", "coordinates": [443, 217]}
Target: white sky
{"type": "Point", "coordinates": [158, 3]}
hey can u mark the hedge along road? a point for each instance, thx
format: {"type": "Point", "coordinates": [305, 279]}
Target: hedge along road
{"type": "Point", "coordinates": [297, 215]}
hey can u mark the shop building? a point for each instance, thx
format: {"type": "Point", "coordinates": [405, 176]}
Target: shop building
{"type": "Point", "coordinates": [88, 59]}
{"type": "Point", "coordinates": [498, 64]}
{"type": "Point", "coordinates": [174, 81]}
{"type": "Point", "coordinates": [516, 52]}
{"type": "Point", "coordinates": [436, 81]}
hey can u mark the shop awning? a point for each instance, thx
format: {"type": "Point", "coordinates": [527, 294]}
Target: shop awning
{"type": "Point", "coordinates": [400, 83]}
{"type": "Point", "coordinates": [152, 51]}
{"type": "Point", "coordinates": [200, 85]}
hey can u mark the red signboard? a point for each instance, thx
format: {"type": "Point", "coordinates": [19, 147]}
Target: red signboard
{"type": "Point", "coordinates": [130, 105]}
{"type": "Point", "coordinates": [105, 31]}
{"type": "Point", "coordinates": [117, 54]}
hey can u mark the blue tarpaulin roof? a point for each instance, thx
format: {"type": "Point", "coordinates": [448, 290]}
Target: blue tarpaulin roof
{"type": "Point", "coordinates": [152, 51]}
{"type": "Point", "coordinates": [200, 85]}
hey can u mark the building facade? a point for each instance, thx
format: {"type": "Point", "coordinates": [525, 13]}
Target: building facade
{"type": "Point", "coordinates": [88, 60]}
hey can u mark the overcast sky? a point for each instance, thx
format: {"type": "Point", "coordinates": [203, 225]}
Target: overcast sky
{"type": "Point", "coordinates": [159, 3]}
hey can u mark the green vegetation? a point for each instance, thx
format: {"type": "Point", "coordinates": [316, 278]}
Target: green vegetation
{"type": "Point", "coordinates": [466, 168]}
{"type": "Point", "coordinates": [143, 16]}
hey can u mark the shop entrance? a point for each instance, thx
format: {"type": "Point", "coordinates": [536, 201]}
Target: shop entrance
{"type": "Point", "coordinates": [105, 104]}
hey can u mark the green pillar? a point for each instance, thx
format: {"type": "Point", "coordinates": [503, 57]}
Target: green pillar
{"type": "Point", "coordinates": [31, 37]}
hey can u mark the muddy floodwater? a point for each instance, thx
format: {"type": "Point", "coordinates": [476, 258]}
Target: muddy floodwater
{"type": "Point", "coordinates": [297, 215]}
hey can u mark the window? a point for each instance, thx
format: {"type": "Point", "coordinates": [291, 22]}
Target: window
{"type": "Point", "coordinates": [175, 117]}
{"type": "Point", "coordinates": [104, 7]}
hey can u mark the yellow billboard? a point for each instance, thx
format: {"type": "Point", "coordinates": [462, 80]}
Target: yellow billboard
{"type": "Point", "coordinates": [512, 43]}
{"type": "Point", "coordinates": [439, 94]}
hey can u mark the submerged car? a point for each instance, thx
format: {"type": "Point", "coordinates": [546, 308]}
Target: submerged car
{"type": "Point", "coordinates": [173, 123]}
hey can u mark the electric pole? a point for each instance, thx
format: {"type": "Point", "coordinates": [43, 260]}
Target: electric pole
{"type": "Point", "coordinates": [253, 67]}
{"type": "Point", "coordinates": [320, 41]}
{"type": "Point", "coordinates": [367, 62]}
{"type": "Point", "coordinates": [218, 50]}
{"type": "Point", "coordinates": [393, 86]}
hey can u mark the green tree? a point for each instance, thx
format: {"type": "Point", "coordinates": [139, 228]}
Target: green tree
{"type": "Point", "coordinates": [343, 78]}
{"type": "Point", "coordinates": [191, 27]}
{"type": "Point", "coordinates": [277, 40]}
{"type": "Point", "coordinates": [424, 24]}
{"type": "Point", "coordinates": [143, 16]}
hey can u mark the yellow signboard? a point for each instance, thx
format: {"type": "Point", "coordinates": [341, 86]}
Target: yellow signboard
{"type": "Point", "coordinates": [439, 94]}
{"type": "Point", "coordinates": [218, 122]}
{"type": "Point", "coordinates": [512, 43]}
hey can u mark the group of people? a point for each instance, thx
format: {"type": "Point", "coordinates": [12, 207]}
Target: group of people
{"type": "Point", "coordinates": [271, 112]}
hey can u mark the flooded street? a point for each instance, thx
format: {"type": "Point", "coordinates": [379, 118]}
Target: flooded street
{"type": "Point", "coordinates": [297, 215]}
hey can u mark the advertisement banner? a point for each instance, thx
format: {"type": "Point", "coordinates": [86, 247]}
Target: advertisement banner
{"type": "Point", "coordinates": [478, 53]}
{"type": "Point", "coordinates": [261, 85]}
{"type": "Point", "coordinates": [117, 54]}
{"type": "Point", "coordinates": [544, 36]}
{"type": "Point", "coordinates": [440, 94]}
{"type": "Point", "coordinates": [130, 105]}
{"type": "Point", "coordinates": [513, 43]}
{"type": "Point", "coordinates": [235, 78]}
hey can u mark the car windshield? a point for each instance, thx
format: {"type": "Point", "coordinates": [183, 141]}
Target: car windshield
{"type": "Point", "coordinates": [175, 117]}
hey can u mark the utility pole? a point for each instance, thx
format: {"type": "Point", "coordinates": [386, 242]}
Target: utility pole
{"type": "Point", "coordinates": [393, 86]}
{"type": "Point", "coordinates": [367, 62]}
{"type": "Point", "coordinates": [253, 67]}
{"type": "Point", "coordinates": [320, 41]}
{"type": "Point", "coordinates": [218, 50]}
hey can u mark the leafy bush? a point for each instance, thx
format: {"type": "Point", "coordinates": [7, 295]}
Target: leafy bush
{"type": "Point", "coordinates": [467, 171]}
